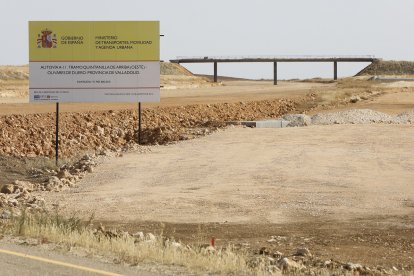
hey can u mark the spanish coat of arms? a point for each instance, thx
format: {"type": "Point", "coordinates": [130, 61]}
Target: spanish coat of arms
{"type": "Point", "coordinates": [47, 39]}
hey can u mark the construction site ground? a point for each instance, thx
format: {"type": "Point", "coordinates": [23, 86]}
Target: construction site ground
{"type": "Point", "coordinates": [344, 191]}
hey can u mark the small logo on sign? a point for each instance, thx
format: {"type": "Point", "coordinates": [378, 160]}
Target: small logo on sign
{"type": "Point", "coordinates": [47, 39]}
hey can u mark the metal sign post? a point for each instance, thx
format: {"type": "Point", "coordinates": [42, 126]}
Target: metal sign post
{"type": "Point", "coordinates": [94, 61]}
{"type": "Point", "coordinates": [139, 123]}
{"type": "Point", "coordinates": [57, 134]}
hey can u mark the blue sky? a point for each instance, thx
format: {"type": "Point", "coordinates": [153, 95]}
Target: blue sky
{"type": "Point", "coordinates": [238, 27]}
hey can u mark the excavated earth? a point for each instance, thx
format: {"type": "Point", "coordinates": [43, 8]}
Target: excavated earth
{"type": "Point", "coordinates": [389, 68]}
{"type": "Point", "coordinates": [368, 245]}
{"type": "Point", "coordinates": [34, 134]}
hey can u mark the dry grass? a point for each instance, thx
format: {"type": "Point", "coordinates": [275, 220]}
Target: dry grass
{"type": "Point", "coordinates": [355, 83]}
{"type": "Point", "coordinates": [14, 88]}
{"type": "Point", "coordinates": [72, 232]}
{"type": "Point", "coordinates": [75, 233]}
{"type": "Point", "coordinates": [29, 168]}
{"type": "Point", "coordinates": [345, 88]}
{"type": "Point", "coordinates": [330, 97]}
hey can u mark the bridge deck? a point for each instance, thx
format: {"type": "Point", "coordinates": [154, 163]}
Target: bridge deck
{"type": "Point", "coordinates": [208, 59]}
{"type": "Point", "coordinates": [275, 60]}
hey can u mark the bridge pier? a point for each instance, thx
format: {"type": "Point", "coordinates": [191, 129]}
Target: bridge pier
{"type": "Point", "coordinates": [274, 73]}
{"type": "Point", "coordinates": [275, 60]}
{"type": "Point", "coordinates": [215, 71]}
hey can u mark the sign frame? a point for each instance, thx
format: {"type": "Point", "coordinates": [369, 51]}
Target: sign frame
{"type": "Point", "coordinates": [94, 61]}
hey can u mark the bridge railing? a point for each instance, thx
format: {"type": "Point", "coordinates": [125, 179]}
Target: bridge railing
{"type": "Point", "coordinates": [278, 57]}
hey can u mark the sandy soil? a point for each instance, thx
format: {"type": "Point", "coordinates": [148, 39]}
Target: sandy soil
{"type": "Point", "coordinates": [257, 176]}
{"type": "Point", "coordinates": [344, 191]}
{"type": "Point", "coordinates": [392, 103]}
{"type": "Point", "coordinates": [392, 98]}
{"type": "Point", "coordinates": [387, 97]}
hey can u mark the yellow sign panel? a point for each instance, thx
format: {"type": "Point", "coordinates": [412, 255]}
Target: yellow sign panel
{"type": "Point", "coordinates": [94, 41]}
{"type": "Point", "coordinates": [94, 61]}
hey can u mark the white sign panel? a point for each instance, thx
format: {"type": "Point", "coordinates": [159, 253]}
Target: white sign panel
{"type": "Point", "coordinates": [85, 61]}
{"type": "Point", "coordinates": [95, 81]}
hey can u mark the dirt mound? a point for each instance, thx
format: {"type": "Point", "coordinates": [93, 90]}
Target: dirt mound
{"type": "Point", "coordinates": [388, 68]}
{"type": "Point", "coordinates": [33, 135]}
{"type": "Point", "coordinates": [168, 68]}
{"type": "Point", "coordinates": [353, 116]}
{"type": "Point", "coordinates": [175, 76]}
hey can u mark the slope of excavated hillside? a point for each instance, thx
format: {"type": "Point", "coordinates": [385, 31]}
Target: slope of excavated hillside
{"type": "Point", "coordinates": [175, 76]}
{"type": "Point", "coordinates": [389, 68]}
{"type": "Point", "coordinates": [168, 68]}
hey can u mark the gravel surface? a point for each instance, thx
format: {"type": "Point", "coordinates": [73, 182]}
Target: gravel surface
{"type": "Point", "coordinates": [354, 116]}
{"type": "Point", "coordinates": [253, 175]}
{"type": "Point", "coordinates": [407, 117]}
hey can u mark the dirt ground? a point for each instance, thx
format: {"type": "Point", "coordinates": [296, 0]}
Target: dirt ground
{"type": "Point", "coordinates": [391, 103]}
{"type": "Point", "coordinates": [343, 191]}
{"type": "Point", "coordinates": [334, 188]}
{"type": "Point", "coordinates": [229, 92]}
{"type": "Point", "coordinates": [392, 98]}
{"type": "Point", "coordinates": [257, 176]}
{"type": "Point", "coordinates": [375, 241]}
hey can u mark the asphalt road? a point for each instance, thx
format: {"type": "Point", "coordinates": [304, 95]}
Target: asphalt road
{"type": "Point", "coordinates": [25, 260]}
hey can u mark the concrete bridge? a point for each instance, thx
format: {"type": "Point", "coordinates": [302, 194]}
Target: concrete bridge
{"type": "Point", "coordinates": [275, 60]}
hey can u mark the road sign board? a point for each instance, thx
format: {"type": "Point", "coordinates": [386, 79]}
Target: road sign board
{"type": "Point", "coordinates": [94, 61]}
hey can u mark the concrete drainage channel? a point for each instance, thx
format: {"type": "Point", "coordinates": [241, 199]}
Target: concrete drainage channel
{"type": "Point", "coordinates": [263, 124]}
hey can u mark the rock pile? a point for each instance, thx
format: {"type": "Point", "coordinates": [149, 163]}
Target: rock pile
{"type": "Point", "coordinates": [33, 135]}
{"type": "Point", "coordinates": [68, 175]}
{"type": "Point", "coordinates": [19, 194]}
{"type": "Point", "coordinates": [302, 261]}
{"type": "Point", "coordinates": [103, 132]}
{"type": "Point", "coordinates": [298, 120]}
{"type": "Point", "coordinates": [354, 116]}
{"type": "Point", "coordinates": [406, 117]}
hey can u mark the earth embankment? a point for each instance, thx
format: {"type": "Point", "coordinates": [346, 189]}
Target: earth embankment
{"type": "Point", "coordinates": [389, 68]}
